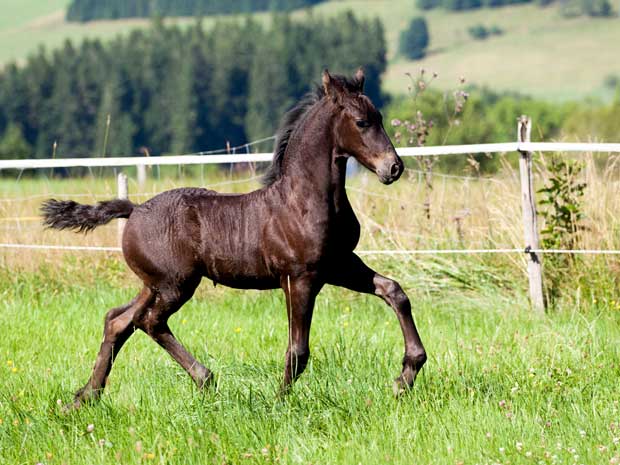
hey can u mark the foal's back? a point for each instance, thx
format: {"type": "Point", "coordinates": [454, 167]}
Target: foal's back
{"type": "Point", "coordinates": [191, 232]}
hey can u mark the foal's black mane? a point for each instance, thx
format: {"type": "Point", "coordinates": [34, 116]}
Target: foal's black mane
{"type": "Point", "coordinates": [293, 118]}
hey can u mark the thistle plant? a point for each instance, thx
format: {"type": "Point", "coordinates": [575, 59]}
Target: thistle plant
{"type": "Point", "coordinates": [416, 131]}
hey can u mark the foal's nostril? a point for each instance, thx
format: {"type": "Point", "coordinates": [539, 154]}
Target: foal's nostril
{"type": "Point", "coordinates": [395, 169]}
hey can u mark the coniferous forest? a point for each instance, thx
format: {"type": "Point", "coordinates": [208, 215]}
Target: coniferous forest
{"type": "Point", "coordinates": [174, 90]}
{"type": "Point", "coordinates": [88, 10]}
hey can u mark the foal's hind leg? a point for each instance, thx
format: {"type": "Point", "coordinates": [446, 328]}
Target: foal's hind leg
{"type": "Point", "coordinates": [353, 274]}
{"type": "Point", "coordinates": [118, 328]}
{"type": "Point", "coordinates": [154, 322]}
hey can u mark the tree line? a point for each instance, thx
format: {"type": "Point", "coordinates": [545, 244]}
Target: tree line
{"type": "Point", "coordinates": [88, 10]}
{"type": "Point", "coordinates": [172, 90]}
{"type": "Point", "coordinates": [568, 8]}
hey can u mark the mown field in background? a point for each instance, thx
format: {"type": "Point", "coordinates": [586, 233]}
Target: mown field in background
{"type": "Point", "coordinates": [540, 52]}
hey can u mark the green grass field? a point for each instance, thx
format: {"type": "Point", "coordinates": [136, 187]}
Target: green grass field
{"type": "Point", "coordinates": [501, 385]}
{"type": "Point", "coordinates": [540, 53]}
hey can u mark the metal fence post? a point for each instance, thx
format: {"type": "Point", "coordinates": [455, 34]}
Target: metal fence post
{"type": "Point", "coordinates": [122, 194]}
{"type": "Point", "coordinates": [530, 224]}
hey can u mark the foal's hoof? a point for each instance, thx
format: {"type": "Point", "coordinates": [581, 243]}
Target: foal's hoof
{"type": "Point", "coordinates": [285, 390]}
{"type": "Point", "coordinates": [401, 386]}
{"type": "Point", "coordinates": [205, 379]}
{"type": "Point", "coordinates": [71, 406]}
{"type": "Point", "coordinates": [86, 395]}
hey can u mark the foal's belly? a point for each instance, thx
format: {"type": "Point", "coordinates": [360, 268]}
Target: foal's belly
{"type": "Point", "coordinates": [238, 274]}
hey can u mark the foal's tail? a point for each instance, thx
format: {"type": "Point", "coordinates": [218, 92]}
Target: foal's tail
{"type": "Point", "coordinates": [67, 214]}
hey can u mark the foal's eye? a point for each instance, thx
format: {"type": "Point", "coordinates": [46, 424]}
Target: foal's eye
{"type": "Point", "coordinates": [361, 123]}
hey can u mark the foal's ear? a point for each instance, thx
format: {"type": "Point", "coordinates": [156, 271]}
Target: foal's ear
{"type": "Point", "coordinates": [332, 88]}
{"type": "Point", "coordinates": [359, 77]}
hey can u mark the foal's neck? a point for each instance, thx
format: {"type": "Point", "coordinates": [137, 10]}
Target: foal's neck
{"type": "Point", "coordinates": [310, 163]}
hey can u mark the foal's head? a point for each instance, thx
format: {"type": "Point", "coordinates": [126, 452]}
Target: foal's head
{"type": "Point", "coordinates": [358, 128]}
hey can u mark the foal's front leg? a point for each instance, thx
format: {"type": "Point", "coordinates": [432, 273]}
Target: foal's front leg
{"type": "Point", "coordinates": [300, 294]}
{"type": "Point", "coordinates": [354, 274]}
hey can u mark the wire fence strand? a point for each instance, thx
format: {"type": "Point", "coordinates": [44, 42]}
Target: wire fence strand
{"type": "Point", "coordinates": [526, 250]}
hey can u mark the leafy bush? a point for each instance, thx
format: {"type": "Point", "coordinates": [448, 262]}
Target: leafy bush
{"type": "Point", "coordinates": [415, 39]}
{"type": "Point", "coordinates": [563, 214]}
{"type": "Point", "coordinates": [481, 32]}
{"type": "Point", "coordinates": [478, 32]}
{"type": "Point", "coordinates": [562, 201]}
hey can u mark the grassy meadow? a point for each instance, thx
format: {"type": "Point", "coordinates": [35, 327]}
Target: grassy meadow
{"type": "Point", "coordinates": [502, 384]}
{"type": "Point", "coordinates": [539, 53]}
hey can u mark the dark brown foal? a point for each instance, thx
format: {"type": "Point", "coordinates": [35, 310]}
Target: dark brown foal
{"type": "Point", "coordinates": [297, 233]}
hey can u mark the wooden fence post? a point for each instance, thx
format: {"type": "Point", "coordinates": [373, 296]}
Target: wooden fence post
{"type": "Point", "coordinates": [122, 194]}
{"type": "Point", "coordinates": [530, 223]}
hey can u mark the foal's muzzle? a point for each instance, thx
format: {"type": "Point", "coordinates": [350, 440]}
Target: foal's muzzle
{"type": "Point", "coordinates": [391, 169]}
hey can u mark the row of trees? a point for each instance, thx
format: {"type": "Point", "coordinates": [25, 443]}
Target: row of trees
{"type": "Point", "coordinates": [88, 10]}
{"type": "Point", "coordinates": [177, 90]}
{"type": "Point", "coordinates": [567, 7]}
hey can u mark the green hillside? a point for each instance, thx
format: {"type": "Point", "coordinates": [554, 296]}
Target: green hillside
{"type": "Point", "coordinates": [540, 53]}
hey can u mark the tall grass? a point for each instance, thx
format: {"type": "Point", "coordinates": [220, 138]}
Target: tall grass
{"type": "Point", "coordinates": [470, 211]}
